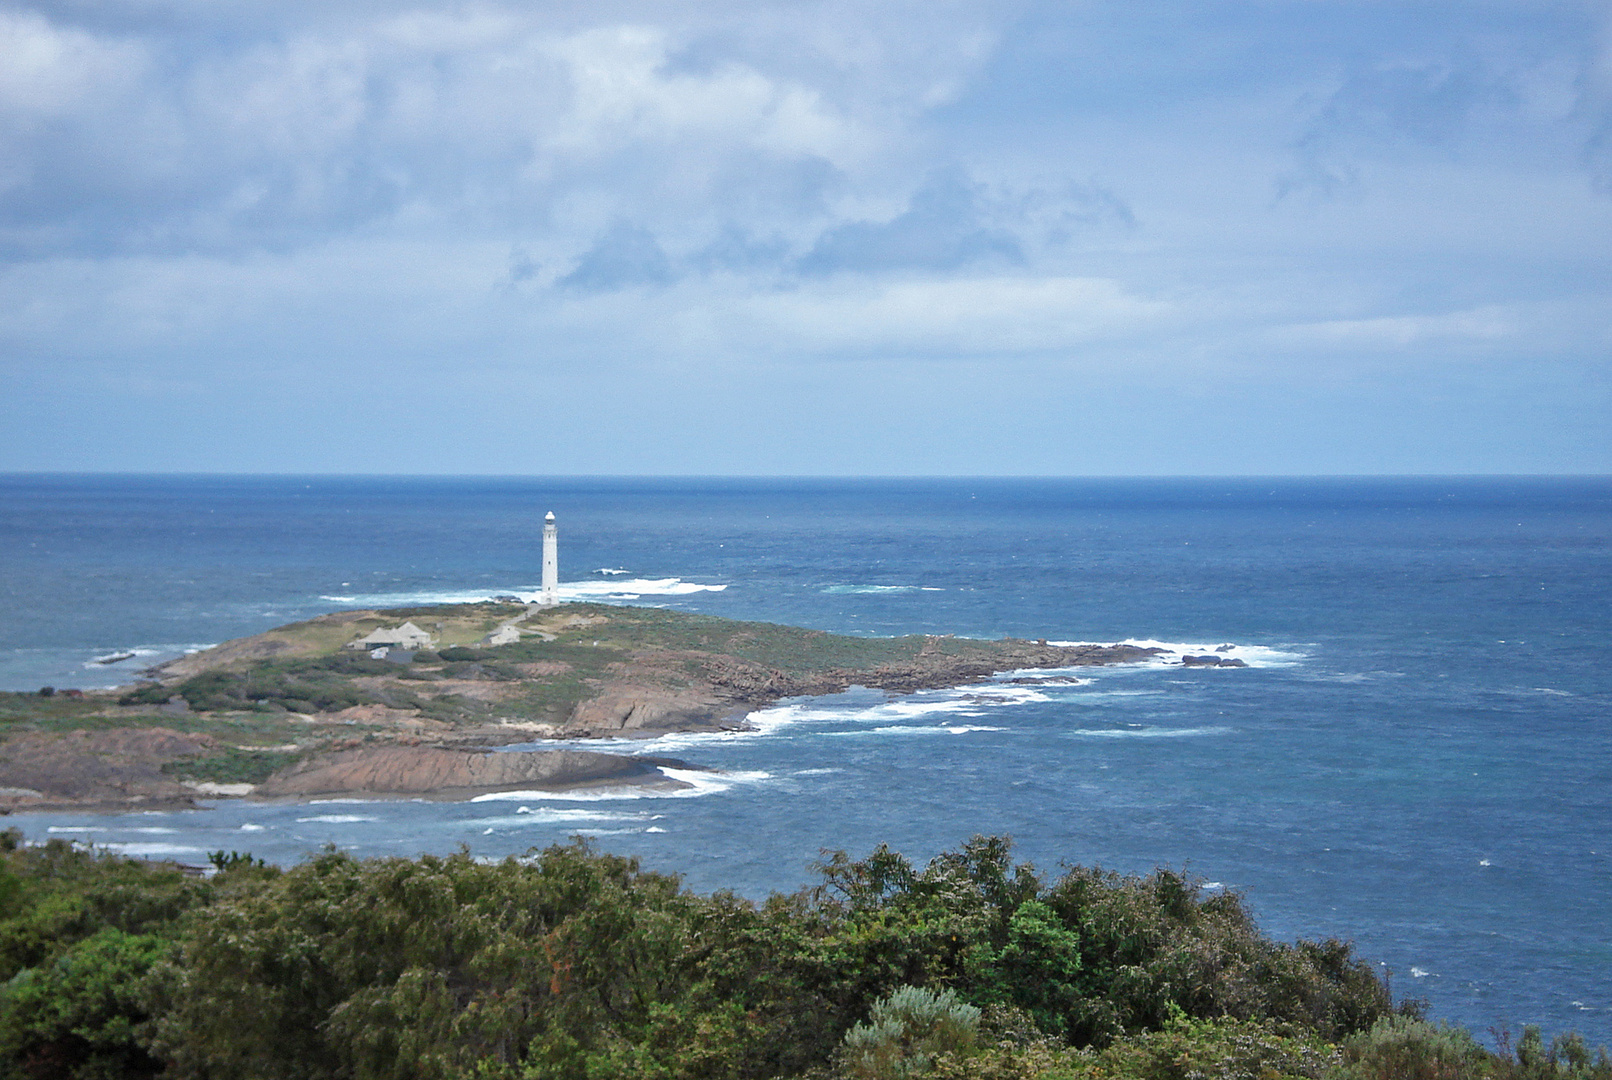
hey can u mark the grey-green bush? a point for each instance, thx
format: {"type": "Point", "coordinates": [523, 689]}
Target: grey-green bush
{"type": "Point", "coordinates": [905, 1032]}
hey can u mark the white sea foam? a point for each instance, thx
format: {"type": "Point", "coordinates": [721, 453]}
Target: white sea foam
{"type": "Point", "coordinates": [1147, 732]}
{"type": "Point", "coordinates": [567, 590]}
{"type": "Point", "coordinates": [612, 572]}
{"type": "Point", "coordinates": [123, 656]}
{"type": "Point", "coordinates": [1255, 656]}
{"type": "Point", "coordinates": [337, 819]}
{"type": "Point", "coordinates": [873, 590]}
{"type": "Point", "coordinates": [911, 729]}
{"type": "Point", "coordinates": [253, 828]}
{"type": "Point", "coordinates": [655, 828]}
{"type": "Point", "coordinates": [75, 828]}
{"type": "Point", "coordinates": [699, 783]}
{"type": "Point", "coordinates": [144, 850]}
{"type": "Point", "coordinates": [1045, 678]}
{"type": "Point", "coordinates": [104, 662]}
{"type": "Point", "coordinates": [557, 815]}
{"type": "Point", "coordinates": [1420, 973]}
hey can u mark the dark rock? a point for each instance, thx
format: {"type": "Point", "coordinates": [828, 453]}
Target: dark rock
{"type": "Point", "coordinates": [1211, 661]}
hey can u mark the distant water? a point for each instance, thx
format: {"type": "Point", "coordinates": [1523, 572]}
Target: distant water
{"type": "Point", "coordinates": [1419, 756]}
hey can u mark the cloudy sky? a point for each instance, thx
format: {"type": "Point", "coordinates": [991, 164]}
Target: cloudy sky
{"type": "Point", "coordinates": [806, 236]}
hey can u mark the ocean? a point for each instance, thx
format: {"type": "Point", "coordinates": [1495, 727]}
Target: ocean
{"type": "Point", "coordinates": [1418, 756]}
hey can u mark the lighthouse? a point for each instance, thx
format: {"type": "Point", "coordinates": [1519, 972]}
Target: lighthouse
{"type": "Point", "coordinates": [551, 563]}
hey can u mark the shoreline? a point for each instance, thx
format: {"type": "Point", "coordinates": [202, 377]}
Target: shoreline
{"type": "Point", "coordinates": [297, 712]}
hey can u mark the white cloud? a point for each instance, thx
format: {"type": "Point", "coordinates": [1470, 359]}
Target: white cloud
{"type": "Point", "coordinates": [1488, 323]}
{"type": "Point", "coordinates": [305, 193]}
{"type": "Point", "coordinates": [957, 317]}
{"type": "Point", "coordinates": [50, 70]}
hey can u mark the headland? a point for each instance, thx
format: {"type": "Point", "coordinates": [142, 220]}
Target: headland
{"type": "Point", "coordinates": [317, 709]}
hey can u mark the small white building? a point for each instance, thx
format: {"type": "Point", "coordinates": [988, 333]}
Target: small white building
{"type": "Point", "coordinates": [504, 635]}
{"type": "Point", "coordinates": [407, 636]}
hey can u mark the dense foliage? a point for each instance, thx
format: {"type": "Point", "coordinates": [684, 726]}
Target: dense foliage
{"type": "Point", "coordinates": [575, 965]}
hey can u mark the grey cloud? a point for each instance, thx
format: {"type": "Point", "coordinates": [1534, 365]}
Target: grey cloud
{"type": "Point", "coordinates": [1392, 109]}
{"type": "Point", "coordinates": [624, 256]}
{"type": "Point", "coordinates": [736, 249]}
{"type": "Point", "coordinates": [944, 228]}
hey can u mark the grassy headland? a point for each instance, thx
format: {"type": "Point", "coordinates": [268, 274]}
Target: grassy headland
{"type": "Point", "coordinates": [257, 708]}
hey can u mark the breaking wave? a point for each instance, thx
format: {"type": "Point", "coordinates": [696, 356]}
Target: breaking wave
{"type": "Point", "coordinates": [1171, 652]}
{"type": "Point", "coordinates": [1147, 732]}
{"type": "Point", "coordinates": [699, 783]}
{"type": "Point", "coordinates": [631, 589]}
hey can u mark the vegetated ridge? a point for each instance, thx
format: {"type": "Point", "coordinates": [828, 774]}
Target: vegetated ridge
{"type": "Point", "coordinates": [568, 964]}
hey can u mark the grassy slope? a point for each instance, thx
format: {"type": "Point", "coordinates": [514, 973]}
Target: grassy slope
{"type": "Point", "coordinates": [256, 707]}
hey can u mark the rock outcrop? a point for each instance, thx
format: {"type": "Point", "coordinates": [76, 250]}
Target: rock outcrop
{"type": "Point", "coordinates": [439, 773]}
{"type": "Point", "coordinates": [1211, 661]}
{"type": "Point", "coordinates": [78, 768]}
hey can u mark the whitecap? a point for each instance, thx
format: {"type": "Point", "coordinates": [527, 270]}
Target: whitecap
{"type": "Point", "coordinates": [123, 656]}
{"type": "Point", "coordinates": [1420, 973]}
{"type": "Point", "coordinates": [908, 729]}
{"type": "Point", "coordinates": [75, 828]}
{"type": "Point", "coordinates": [253, 828]}
{"type": "Point", "coordinates": [337, 819]}
{"type": "Point", "coordinates": [699, 783]}
{"type": "Point", "coordinates": [610, 571]}
{"type": "Point", "coordinates": [655, 828]}
{"type": "Point", "coordinates": [874, 590]}
{"type": "Point", "coordinates": [551, 815]}
{"type": "Point", "coordinates": [1255, 656]}
{"type": "Point", "coordinates": [105, 661]}
{"type": "Point", "coordinates": [1147, 732]}
{"type": "Point", "coordinates": [148, 850]}
{"type": "Point", "coordinates": [566, 591]}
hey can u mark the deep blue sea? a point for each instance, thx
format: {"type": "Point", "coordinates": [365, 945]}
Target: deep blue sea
{"type": "Point", "coordinates": [1418, 758]}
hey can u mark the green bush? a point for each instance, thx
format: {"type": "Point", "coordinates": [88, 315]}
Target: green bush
{"type": "Point", "coordinates": [1192, 1049]}
{"type": "Point", "coordinates": [80, 1015]}
{"type": "Point", "coordinates": [906, 1031]}
{"type": "Point", "coordinates": [461, 654]}
{"type": "Point", "coordinates": [567, 964]}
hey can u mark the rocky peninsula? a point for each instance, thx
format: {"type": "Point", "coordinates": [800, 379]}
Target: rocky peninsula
{"type": "Point", "coordinates": [311, 709]}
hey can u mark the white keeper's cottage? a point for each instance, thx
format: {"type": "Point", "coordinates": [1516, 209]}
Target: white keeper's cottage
{"type": "Point", "coordinates": [407, 636]}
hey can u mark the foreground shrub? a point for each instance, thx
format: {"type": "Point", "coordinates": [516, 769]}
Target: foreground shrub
{"type": "Point", "coordinates": [1193, 1049]}
{"type": "Point", "coordinates": [906, 1031]}
{"type": "Point", "coordinates": [1406, 1048]}
{"type": "Point", "coordinates": [568, 964]}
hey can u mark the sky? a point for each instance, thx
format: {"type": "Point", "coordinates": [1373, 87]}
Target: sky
{"type": "Point", "coordinates": [806, 237]}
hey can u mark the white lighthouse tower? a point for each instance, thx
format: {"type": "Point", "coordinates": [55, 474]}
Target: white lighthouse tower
{"type": "Point", "coordinates": [551, 563]}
